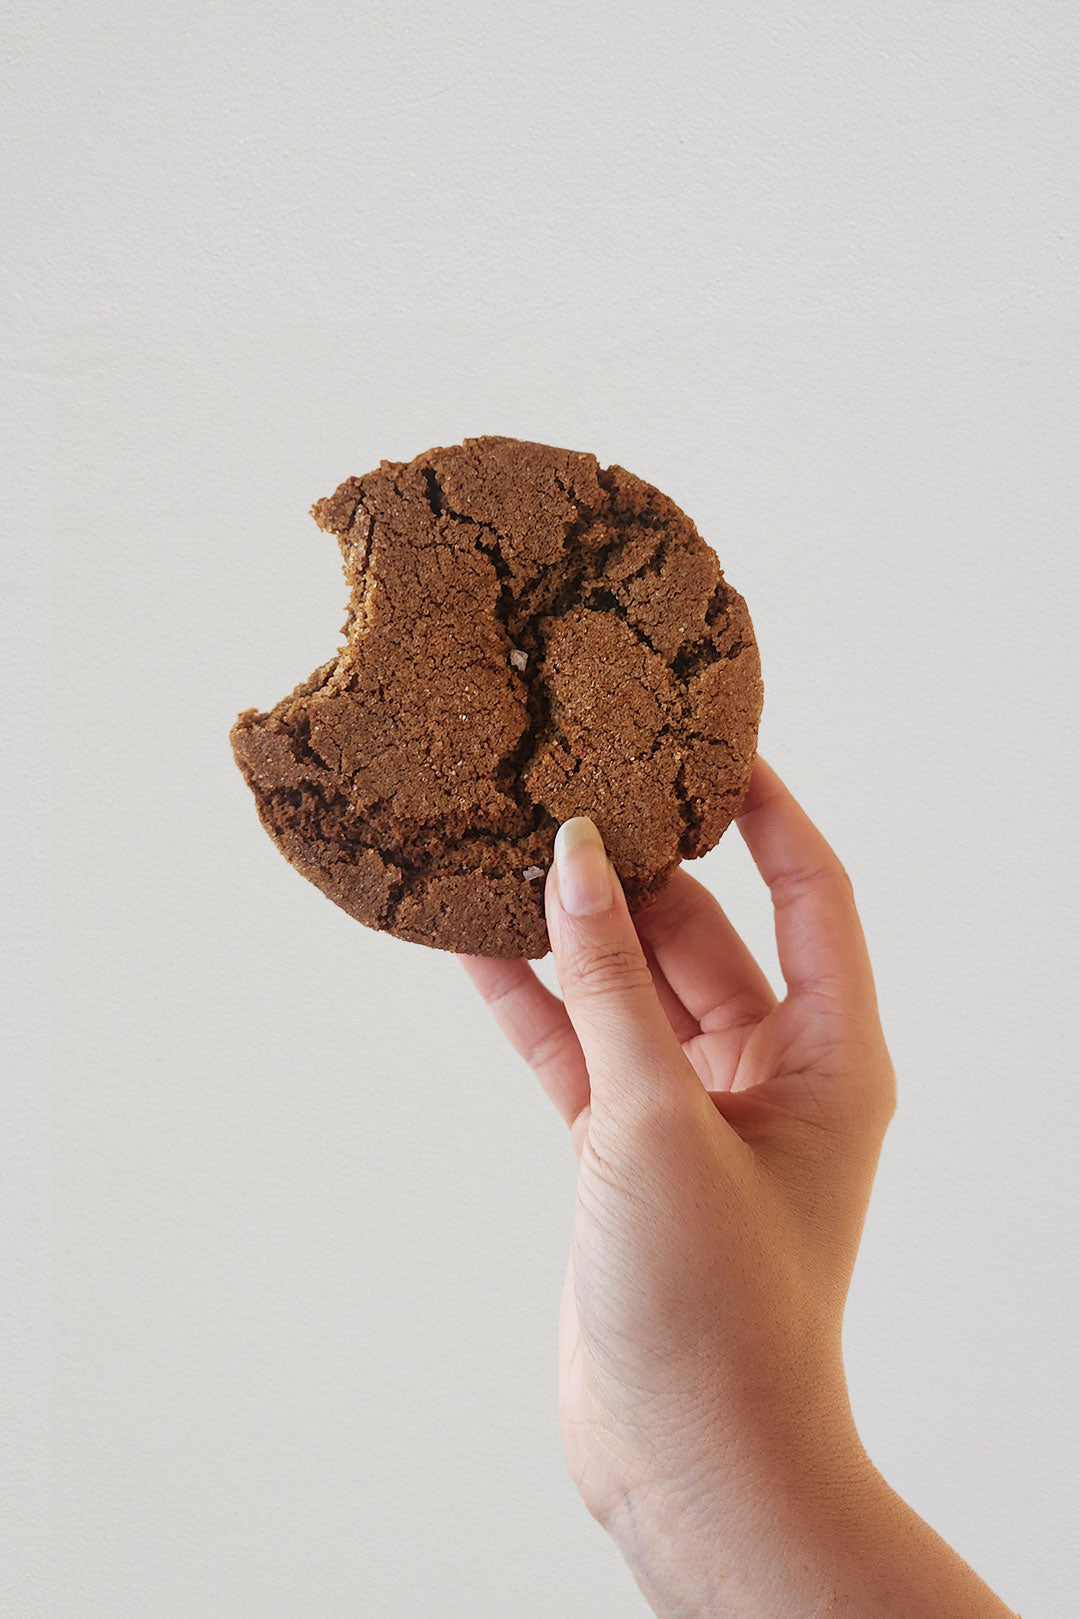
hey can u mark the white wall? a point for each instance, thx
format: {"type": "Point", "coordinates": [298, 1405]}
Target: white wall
{"type": "Point", "coordinates": [285, 1222]}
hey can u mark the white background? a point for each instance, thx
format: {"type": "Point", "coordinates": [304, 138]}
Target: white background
{"type": "Point", "coordinates": [284, 1222]}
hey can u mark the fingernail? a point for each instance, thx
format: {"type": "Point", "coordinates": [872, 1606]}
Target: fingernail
{"type": "Point", "coordinates": [581, 867]}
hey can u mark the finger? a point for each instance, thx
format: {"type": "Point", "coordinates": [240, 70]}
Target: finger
{"type": "Point", "coordinates": [683, 1025]}
{"type": "Point", "coordinates": [819, 937]}
{"type": "Point", "coordinates": [702, 957]}
{"type": "Point", "coordinates": [537, 1026]}
{"type": "Point", "coordinates": [632, 1055]}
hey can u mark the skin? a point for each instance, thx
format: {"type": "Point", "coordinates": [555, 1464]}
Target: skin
{"type": "Point", "coordinates": [727, 1145]}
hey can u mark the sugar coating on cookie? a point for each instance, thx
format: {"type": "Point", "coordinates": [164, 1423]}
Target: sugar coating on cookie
{"type": "Point", "coordinates": [530, 637]}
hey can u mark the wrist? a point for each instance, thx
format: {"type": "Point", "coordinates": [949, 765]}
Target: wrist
{"type": "Point", "coordinates": [767, 1539]}
{"type": "Point", "coordinates": [837, 1541]}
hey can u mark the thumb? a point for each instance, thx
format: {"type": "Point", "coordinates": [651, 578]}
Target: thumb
{"type": "Point", "coordinates": [631, 1053]}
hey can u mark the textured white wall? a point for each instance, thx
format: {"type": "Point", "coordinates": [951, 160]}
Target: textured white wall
{"type": "Point", "coordinates": [284, 1222]}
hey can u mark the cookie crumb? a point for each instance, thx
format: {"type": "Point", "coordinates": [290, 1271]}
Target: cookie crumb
{"type": "Point", "coordinates": [531, 873]}
{"type": "Point", "coordinates": [519, 659]}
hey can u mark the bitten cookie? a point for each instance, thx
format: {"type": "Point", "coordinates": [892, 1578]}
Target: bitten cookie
{"type": "Point", "coordinates": [530, 637]}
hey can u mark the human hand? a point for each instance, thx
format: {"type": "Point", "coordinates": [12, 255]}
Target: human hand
{"type": "Point", "coordinates": [727, 1147]}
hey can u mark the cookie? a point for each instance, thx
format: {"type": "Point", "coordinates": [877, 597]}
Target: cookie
{"type": "Point", "coordinates": [530, 637]}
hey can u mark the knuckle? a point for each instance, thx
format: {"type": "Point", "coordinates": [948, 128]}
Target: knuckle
{"type": "Point", "coordinates": [842, 878]}
{"type": "Point", "coordinates": [580, 1125]}
{"type": "Point", "coordinates": [829, 873]}
{"type": "Point", "coordinates": [628, 1149]}
{"type": "Point", "coordinates": [871, 1104]}
{"type": "Point", "coordinates": [742, 1009]}
{"type": "Point", "coordinates": [608, 970]}
{"type": "Point", "coordinates": [668, 916]}
{"type": "Point", "coordinates": [888, 1095]}
{"type": "Point", "coordinates": [546, 1048]}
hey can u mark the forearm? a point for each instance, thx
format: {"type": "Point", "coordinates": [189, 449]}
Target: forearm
{"type": "Point", "coordinates": [855, 1548]}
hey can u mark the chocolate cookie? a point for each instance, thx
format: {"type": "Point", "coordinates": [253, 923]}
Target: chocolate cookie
{"type": "Point", "coordinates": [530, 637]}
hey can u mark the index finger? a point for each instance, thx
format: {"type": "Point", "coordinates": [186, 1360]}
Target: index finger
{"type": "Point", "coordinates": [537, 1026]}
{"type": "Point", "coordinates": [819, 937]}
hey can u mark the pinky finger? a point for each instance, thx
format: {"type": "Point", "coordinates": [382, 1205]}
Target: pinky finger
{"type": "Point", "coordinates": [537, 1026]}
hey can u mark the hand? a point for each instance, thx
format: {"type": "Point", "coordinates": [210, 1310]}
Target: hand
{"type": "Point", "coordinates": [728, 1143]}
